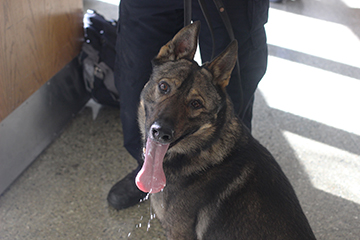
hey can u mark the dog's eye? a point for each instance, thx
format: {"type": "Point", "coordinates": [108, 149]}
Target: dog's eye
{"type": "Point", "coordinates": [196, 104]}
{"type": "Point", "coordinates": [164, 87]}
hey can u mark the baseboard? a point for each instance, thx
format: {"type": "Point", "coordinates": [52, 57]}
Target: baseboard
{"type": "Point", "coordinates": [28, 130]}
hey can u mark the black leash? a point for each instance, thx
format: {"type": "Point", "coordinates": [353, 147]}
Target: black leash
{"type": "Point", "coordinates": [226, 20]}
{"type": "Point", "coordinates": [187, 12]}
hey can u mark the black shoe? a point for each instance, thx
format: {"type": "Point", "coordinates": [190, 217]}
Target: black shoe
{"type": "Point", "coordinates": [125, 193]}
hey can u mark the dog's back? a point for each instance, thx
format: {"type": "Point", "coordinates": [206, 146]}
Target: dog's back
{"type": "Point", "coordinates": [209, 178]}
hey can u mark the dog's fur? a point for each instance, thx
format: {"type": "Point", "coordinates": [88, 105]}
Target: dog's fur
{"type": "Point", "coordinates": [220, 182]}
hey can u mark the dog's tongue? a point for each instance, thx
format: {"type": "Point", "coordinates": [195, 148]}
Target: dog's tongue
{"type": "Point", "coordinates": [151, 177]}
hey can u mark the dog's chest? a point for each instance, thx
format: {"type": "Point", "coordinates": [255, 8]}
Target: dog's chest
{"type": "Point", "coordinates": [157, 203]}
{"type": "Point", "coordinates": [172, 206]}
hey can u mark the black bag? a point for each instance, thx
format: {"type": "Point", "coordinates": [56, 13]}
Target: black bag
{"type": "Point", "coordinates": [98, 57]}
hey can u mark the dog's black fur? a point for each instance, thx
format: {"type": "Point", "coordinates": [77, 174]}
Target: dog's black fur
{"type": "Point", "coordinates": [220, 182]}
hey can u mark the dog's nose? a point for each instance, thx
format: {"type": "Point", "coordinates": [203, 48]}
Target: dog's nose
{"type": "Point", "coordinates": [162, 133]}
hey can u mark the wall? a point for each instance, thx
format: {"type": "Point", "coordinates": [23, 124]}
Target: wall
{"type": "Point", "coordinates": [37, 39]}
{"type": "Point", "coordinates": [41, 84]}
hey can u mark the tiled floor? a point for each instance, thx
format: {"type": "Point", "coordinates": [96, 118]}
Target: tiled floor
{"type": "Point", "coordinates": [306, 114]}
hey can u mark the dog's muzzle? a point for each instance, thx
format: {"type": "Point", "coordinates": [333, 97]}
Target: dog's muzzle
{"type": "Point", "coordinates": [161, 133]}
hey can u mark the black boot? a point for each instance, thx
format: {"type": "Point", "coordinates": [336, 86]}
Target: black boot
{"type": "Point", "coordinates": [125, 193]}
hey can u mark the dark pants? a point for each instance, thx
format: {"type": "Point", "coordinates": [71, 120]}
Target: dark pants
{"type": "Point", "coordinates": [146, 25]}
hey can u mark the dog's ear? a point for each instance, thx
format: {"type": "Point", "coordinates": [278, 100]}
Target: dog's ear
{"type": "Point", "coordinates": [183, 45]}
{"type": "Point", "coordinates": [222, 66]}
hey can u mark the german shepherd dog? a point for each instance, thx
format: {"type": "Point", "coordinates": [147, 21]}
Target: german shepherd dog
{"type": "Point", "coordinates": [208, 177]}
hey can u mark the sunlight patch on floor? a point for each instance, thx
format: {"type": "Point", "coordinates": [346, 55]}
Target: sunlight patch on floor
{"type": "Point", "coordinates": [330, 169]}
{"type": "Point", "coordinates": [312, 36]}
{"type": "Point", "coordinates": [312, 93]}
{"type": "Point", "coordinates": [113, 2]}
{"type": "Point", "coordinates": [352, 3]}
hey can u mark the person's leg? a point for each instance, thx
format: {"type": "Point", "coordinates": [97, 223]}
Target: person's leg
{"type": "Point", "coordinates": [247, 18]}
{"type": "Point", "coordinates": [144, 26]}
